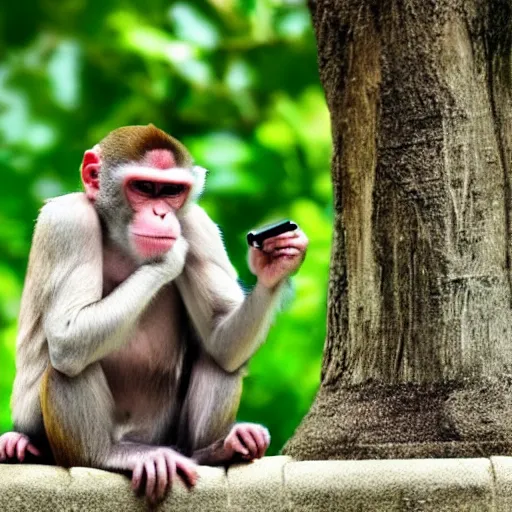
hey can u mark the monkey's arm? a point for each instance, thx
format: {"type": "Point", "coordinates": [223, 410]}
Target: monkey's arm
{"type": "Point", "coordinates": [230, 325]}
{"type": "Point", "coordinates": [238, 332]}
{"type": "Point", "coordinates": [80, 326]}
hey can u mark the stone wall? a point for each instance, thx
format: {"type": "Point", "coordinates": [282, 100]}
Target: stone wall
{"type": "Point", "coordinates": [276, 484]}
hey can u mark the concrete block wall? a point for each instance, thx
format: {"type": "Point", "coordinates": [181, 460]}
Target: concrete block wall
{"type": "Point", "coordinates": [276, 484]}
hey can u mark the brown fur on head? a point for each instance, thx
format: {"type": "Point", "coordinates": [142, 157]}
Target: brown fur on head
{"type": "Point", "coordinates": [138, 153]}
{"type": "Point", "coordinates": [130, 144]}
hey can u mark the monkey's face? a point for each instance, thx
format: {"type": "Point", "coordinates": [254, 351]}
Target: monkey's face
{"type": "Point", "coordinates": [155, 197]}
{"type": "Point", "coordinates": [140, 194]}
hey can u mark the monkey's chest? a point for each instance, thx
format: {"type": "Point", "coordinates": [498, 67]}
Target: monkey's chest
{"type": "Point", "coordinates": [143, 375]}
{"type": "Point", "coordinates": [117, 267]}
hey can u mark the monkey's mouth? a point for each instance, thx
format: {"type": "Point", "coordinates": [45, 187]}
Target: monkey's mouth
{"type": "Point", "coordinates": [149, 246]}
{"type": "Point", "coordinates": [153, 237]}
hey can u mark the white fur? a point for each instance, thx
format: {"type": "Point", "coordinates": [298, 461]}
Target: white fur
{"type": "Point", "coordinates": [197, 175]}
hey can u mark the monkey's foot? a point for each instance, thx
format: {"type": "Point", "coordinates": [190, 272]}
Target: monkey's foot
{"type": "Point", "coordinates": [248, 440]}
{"type": "Point", "coordinates": [14, 445]}
{"type": "Point", "coordinates": [158, 469]}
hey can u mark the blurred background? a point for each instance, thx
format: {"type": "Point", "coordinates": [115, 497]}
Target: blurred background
{"type": "Point", "coordinates": [237, 82]}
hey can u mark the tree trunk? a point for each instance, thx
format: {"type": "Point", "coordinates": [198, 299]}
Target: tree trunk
{"type": "Point", "coordinates": [418, 356]}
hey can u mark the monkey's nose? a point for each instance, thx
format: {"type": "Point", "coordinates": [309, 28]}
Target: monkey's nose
{"type": "Point", "coordinates": [160, 212]}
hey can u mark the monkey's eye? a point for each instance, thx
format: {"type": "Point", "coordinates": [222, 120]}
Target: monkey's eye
{"type": "Point", "coordinates": [144, 187]}
{"type": "Point", "coordinates": [172, 189]}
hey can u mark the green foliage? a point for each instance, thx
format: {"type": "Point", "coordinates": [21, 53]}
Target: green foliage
{"type": "Point", "coordinates": [236, 80]}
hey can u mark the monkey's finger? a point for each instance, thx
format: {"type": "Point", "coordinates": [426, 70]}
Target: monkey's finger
{"type": "Point", "coordinates": [285, 251]}
{"type": "Point", "coordinates": [149, 468]}
{"type": "Point", "coordinates": [170, 465]}
{"type": "Point", "coordinates": [248, 441]}
{"type": "Point", "coordinates": [137, 476]}
{"type": "Point", "coordinates": [188, 470]}
{"type": "Point", "coordinates": [20, 448]}
{"type": "Point", "coordinates": [237, 445]}
{"type": "Point", "coordinates": [295, 239]}
{"type": "Point", "coordinates": [301, 244]}
{"type": "Point", "coordinates": [33, 450]}
{"type": "Point", "coordinates": [259, 437]}
{"type": "Point", "coordinates": [261, 441]}
{"type": "Point", "coordinates": [3, 455]}
{"type": "Point", "coordinates": [287, 234]}
{"type": "Point", "coordinates": [270, 243]}
{"type": "Point", "coordinates": [162, 478]}
{"type": "Point", "coordinates": [10, 447]}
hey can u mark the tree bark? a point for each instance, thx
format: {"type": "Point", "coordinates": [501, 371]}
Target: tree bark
{"type": "Point", "coordinates": [418, 355]}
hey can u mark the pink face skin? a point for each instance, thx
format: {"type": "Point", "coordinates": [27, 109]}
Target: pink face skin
{"type": "Point", "coordinates": [155, 189]}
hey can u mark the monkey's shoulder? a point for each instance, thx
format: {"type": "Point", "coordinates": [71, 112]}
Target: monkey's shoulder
{"type": "Point", "coordinates": [195, 214]}
{"type": "Point", "coordinates": [199, 228]}
{"type": "Point", "coordinates": [70, 211]}
{"type": "Point", "coordinates": [62, 218]}
{"type": "Point", "coordinates": [206, 245]}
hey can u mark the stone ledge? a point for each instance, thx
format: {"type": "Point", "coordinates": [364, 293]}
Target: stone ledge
{"type": "Point", "coordinates": [276, 484]}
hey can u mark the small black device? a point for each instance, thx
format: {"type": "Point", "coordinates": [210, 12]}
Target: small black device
{"type": "Point", "coordinates": [256, 238]}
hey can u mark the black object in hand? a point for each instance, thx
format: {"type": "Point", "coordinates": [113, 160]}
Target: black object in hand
{"type": "Point", "coordinates": [256, 238]}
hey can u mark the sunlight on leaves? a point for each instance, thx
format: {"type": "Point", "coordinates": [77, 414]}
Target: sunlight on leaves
{"type": "Point", "coordinates": [196, 72]}
{"type": "Point", "coordinates": [149, 41]}
{"type": "Point", "coordinates": [14, 108]}
{"type": "Point", "coordinates": [45, 188]}
{"type": "Point", "coordinates": [64, 74]}
{"type": "Point", "coordinates": [220, 149]}
{"type": "Point", "coordinates": [238, 75]}
{"type": "Point", "coordinates": [294, 24]}
{"type": "Point", "coordinates": [276, 134]}
{"type": "Point", "coordinates": [192, 26]}
{"type": "Point", "coordinates": [10, 292]}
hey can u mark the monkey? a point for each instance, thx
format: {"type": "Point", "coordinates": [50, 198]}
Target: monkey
{"type": "Point", "coordinates": [134, 331]}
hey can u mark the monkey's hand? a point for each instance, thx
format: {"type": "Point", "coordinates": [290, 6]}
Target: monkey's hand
{"type": "Point", "coordinates": [279, 257]}
{"type": "Point", "coordinates": [158, 469]}
{"type": "Point", "coordinates": [14, 445]}
{"type": "Point", "coordinates": [247, 440]}
{"type": "Point", "coordinates": [173, 262]}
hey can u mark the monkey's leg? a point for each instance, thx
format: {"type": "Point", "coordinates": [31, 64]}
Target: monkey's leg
{"type": "Point", "coordinates": [77, 415]}
{"type": "Point", "coordinates": [209, 412]}
{"type": "Point", "coordinates": [78, 419]}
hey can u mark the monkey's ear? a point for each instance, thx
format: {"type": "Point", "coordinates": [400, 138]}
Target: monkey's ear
{"type": "Point", "coordinates": [199, 174]}
{"type": "Point", "coordinates": [91, 173]}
